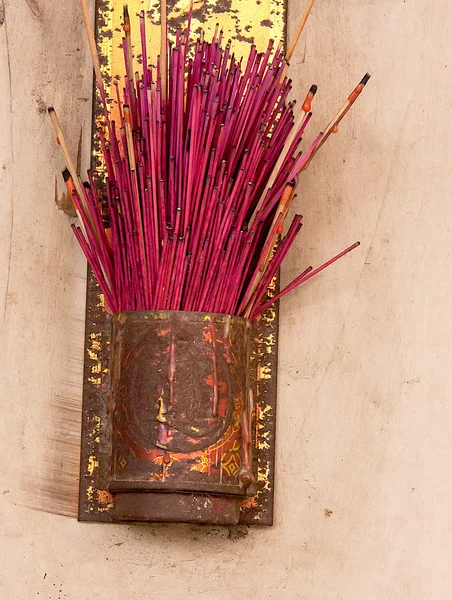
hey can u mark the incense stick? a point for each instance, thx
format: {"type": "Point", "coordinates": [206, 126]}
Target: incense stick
{"type": "Point", "coordinates": [92, 46]}
{"type": "Point", "coordinates": [299, 31]}
{"type": "Point", "coordinates": [296, 39]}
{"type": "Point", "coordinates": [302, 278]}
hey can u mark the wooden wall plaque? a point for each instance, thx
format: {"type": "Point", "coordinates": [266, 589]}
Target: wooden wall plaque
{"type": "Point", "coordinates": [245, 22]}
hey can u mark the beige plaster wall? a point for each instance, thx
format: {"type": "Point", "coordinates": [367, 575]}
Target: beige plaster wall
{"type": "Point", "coordinates": [364, 435]}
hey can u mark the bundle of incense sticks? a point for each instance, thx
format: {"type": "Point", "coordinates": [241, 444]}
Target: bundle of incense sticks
{"type": "Point", "coordinates": [202, 154]}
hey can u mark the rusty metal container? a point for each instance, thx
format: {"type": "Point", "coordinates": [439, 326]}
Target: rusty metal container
{"type": "Point", "coordinates": [179, 416]}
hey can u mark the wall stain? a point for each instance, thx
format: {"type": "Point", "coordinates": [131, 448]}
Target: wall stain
{"type": "Point", "coordinates": [35, 9]}
{"type": "Point", "coordinates": [238, 532]}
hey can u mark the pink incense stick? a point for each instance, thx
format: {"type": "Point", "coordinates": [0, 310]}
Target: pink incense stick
{"type": "Point", "coordinates": [307, 274]}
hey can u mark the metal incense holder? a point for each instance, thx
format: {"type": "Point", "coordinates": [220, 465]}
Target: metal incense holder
{"type": "Point", "coordinates": [179, 416]}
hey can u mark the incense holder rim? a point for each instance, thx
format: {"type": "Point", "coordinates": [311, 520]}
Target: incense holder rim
{"type": "Point", "coordinates": [182, 314]}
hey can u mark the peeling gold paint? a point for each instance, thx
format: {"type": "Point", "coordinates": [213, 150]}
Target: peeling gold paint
{"type": "Point", "coordinates": [101, 301]}
{"type": "Point", "coordinates": [262, 443]}
{"type": "Point", "coordinates": [90, 493]}
{"type": "Point", "coordinates": [105, 508]}
{"type": "Point", "coordinates": [264, 411]}
{"type": "Point", "coordinates": [94, 347]}
{"type": "Point", "coordinates": [95, 336]}
{"type": "Point", "coordinates": [264, 372]}
{"type": "Point", "coordinates": [96, 427]}
{"type": "Point", "coordinates": [263, 475]}
{"type": "Point", "coordinates": [93, 464]}
{"type": "Point", "coordinates": [243, 21]}
{"type": "Point", "coordinates": [92, 355]}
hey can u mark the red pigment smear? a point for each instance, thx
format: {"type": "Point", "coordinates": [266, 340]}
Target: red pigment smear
{"type": "Point", "coordinates": [221, 385]}
{"type": "Point", "coordinates": [228, 352]}
{"type": "Point", "coordinates": [246, 476]}
{"type": "Point", "coordinates": [223, 406]}
{"type": "Point", "coordinates": [172, 369]}
{"type": "Point", "coordinates": [193, 441]}
{"type": "Point", "coordinates": [163, 332]}
{"type": "Point", "coordinates": [222, 397]}
{"type": "Point", "coordinates": [214, 366]}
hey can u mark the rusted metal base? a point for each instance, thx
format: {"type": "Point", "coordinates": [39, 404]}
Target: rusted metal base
{"type": "Point", "coordinates": [179, 410]}
{"type": "Point", "coordinates": [164, 507]}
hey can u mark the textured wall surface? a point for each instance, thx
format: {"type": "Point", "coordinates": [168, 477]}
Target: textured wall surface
{"type": "Point", "coordinates": [363, 480]}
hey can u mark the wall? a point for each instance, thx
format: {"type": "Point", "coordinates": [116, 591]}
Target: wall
{"type": "Point", "coordinates": [364, 444]}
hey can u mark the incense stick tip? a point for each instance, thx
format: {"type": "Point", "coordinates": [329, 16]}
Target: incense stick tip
{"type": "Point", "coordinates": [366, 77]}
